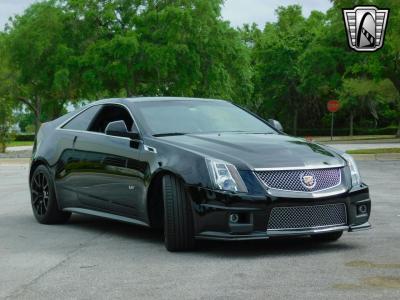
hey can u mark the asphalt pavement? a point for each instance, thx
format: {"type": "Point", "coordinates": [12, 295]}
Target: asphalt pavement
{"type": "Point", "coordinates": [92, 258]}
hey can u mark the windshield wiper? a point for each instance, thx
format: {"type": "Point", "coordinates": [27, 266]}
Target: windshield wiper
{"type": "Point", "coordinates": [168, 134]}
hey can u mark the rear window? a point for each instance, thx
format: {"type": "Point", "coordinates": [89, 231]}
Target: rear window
{"type": "Point", "coordinates": [82, 121]}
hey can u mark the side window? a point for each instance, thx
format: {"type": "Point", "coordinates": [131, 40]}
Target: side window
{"type": "Point", "coordinates": [108, 114]}
{"type": "Point", "coordinates": [83, 120]}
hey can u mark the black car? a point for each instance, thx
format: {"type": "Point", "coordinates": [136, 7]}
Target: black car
{"type": "Point", "coordinates": [198, 168]}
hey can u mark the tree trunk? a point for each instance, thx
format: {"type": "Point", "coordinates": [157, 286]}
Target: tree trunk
{"type": "Point", "coordinates": [37, 113]}
{"type": "Point", "coordinates": [351, 124]}
{"type": "Point", "coordinates": [398, 131]}
{"type": "Point", "coordinates": [295, 117]}
{"type": "Point", "coordinates": [2, 147]}
{"type": "Point", "coordinates": [37, 122]}
{"type": "Point", "coordinates": [129, 93]}
{"type": "Point", "coordinates": [57, 109]}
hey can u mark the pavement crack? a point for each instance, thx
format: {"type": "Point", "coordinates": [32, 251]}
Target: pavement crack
{"type": "Point", "coordinates": [23, 288]}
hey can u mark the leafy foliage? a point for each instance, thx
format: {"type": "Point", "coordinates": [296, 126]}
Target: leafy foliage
{"type": "Point", "coordinates": [6, 122]}
{"type": "Point", "coordinates": [62, 52]}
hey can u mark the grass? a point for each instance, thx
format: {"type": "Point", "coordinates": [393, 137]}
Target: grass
{"type": "Point", "coordinates": [19, 144]}
{"type": "Point", "coordinates": [374, 151]}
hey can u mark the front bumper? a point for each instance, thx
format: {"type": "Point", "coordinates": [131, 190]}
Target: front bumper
{"type": "Point", "coordinates": [212, 210]}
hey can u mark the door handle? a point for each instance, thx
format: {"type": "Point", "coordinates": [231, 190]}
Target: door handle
{"type": "Point", "coordinates": [74, 142]}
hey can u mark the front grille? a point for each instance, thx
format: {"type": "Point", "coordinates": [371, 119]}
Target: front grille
{"type": "Point", "coordinates": [298, 217]}
{"type": "Point", "coordinates": [293, 180]}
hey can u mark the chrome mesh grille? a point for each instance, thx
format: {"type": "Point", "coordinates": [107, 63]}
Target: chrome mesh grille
{"type": "Point", "coordinates": [297, 217]}
{"type": "Point", "coordinates": [292, 180]}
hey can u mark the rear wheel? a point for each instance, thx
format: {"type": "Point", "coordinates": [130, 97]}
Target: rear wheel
{"type": "Point", "coordinates": [43, 198]}
{"type": "Point", "coordinates": [178, 216]}
{"type": "Point", "coordinates": [327, 237]}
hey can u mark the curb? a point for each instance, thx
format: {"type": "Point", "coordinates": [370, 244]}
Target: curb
{"type": "Point", "coordinates": [369, 142]}
{"type": "Point", "coordinates": [16, 155]}
{"type": "Point", "coordinates": [379, 156]}
{"type": "Point", "coordinates": [14, 161]}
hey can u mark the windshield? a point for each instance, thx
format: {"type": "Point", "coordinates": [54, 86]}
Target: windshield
{"type": "Point", "coordinates": [191, 116]}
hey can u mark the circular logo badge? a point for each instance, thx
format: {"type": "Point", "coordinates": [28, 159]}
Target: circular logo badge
{"type": "Point", "coordinates": [308, 180]}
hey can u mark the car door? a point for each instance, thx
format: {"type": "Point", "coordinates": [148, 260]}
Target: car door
{"type": "Point", "coordinates": [110, 173]}
{"type": "Point", "coordinates": [67, 177]}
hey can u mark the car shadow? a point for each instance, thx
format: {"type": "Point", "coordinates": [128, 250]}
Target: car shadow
{"type": "Point", "coordinates": [120, 229]}
{"type": "Point", "coordinates": [231, 249]}
{"type": "Point", "coordinates": [272, 247]}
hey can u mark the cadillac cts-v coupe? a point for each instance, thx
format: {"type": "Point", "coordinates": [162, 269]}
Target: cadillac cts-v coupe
{"type": "Point", "coordinates": [196, 168]}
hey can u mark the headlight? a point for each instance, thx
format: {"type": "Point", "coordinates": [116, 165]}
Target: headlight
{"type": "Point", "coordinates": [225, 176]}
{"type": "Point", "coordinates": [355, 174]}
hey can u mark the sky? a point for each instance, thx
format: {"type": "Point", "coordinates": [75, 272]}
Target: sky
{"type": "Point", "coordinates": [237, 12]}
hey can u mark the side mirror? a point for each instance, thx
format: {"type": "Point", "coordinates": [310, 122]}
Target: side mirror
{"type": "Point", "coordinates": [118, 128]}
{"type": "Point", "coordinates": [276, 124]}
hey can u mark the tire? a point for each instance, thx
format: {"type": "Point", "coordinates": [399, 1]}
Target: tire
{"type": "Point", "coordinates": [327, 237]}
{"type": "Point", "coordinates": [178, 216]}
{"type": "Point", "coordinates": [43, 198]}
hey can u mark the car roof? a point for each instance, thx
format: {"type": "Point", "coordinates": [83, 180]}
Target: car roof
{"type": "Point", "coordinates": [151, 99]}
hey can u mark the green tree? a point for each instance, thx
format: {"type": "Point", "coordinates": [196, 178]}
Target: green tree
{"type": "Point", "coordinates": [277, 56]}
{"type": "Point", "coordinates": [43, 63]}
{"type": "Point", "coordinates": [359, 96]}
{"type": "Point", "coordinates": [6, 118]}
{"type": "Point", "coordinates": [390, 54]}
{"type": "Point", "coordinates": [72, 51]}
{"type": "Point", "coordinates": [5, 124]}
{"type": "Point", "coordinates": [179, 48]}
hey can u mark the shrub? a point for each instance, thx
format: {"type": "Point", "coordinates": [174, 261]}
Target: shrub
{"type": "Point", "coordinates": [25, 137]}
{"type": "Point", "coordinates": [391, 130]}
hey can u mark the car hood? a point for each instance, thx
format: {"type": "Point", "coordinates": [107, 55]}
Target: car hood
{"type": "Point", "coordinates": [257, 151]}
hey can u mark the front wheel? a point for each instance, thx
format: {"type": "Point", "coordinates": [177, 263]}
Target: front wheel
{"type": "Point", "coordinates": [43, 198]}
{"type": "Point", "coordinates": [178, 216]}
{"type": "Point", "coordinates": [327, 237]}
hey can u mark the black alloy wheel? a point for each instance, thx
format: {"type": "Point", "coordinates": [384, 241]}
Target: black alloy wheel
{"type": "Point", "coordinates": [44, 200]}
{"type": "Point", "coordinates": [40, 193]}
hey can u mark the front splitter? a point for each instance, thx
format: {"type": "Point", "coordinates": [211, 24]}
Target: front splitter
{"type": "Point", "coordinates": [211, 235]}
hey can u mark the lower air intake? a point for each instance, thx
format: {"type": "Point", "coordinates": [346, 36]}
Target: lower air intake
{"type": "Point", "coordinates": [303, 217]}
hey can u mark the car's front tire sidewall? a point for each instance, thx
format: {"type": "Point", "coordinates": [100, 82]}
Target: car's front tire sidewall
{"type": "Point", "coordinates": [178, 216]}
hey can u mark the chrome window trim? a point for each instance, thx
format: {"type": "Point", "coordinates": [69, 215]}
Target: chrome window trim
{"type": "Point", "coordinates": [99, 133]}
{"type": "Point", "coordinates": [60, 127]}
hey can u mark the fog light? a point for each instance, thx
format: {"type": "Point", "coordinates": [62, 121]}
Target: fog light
{"type": "Point", "coordinates": [234, 218]}
{"type": "Point", "coordinates": [362, 209]}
